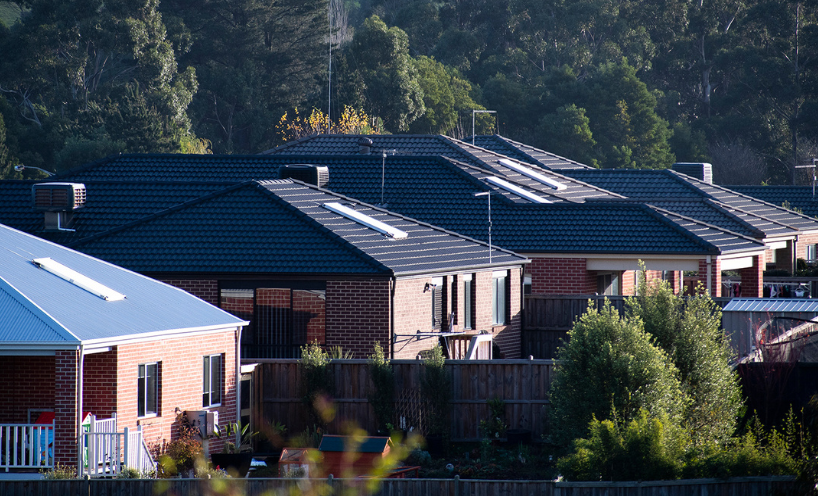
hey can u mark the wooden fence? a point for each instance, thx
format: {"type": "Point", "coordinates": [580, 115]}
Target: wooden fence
{"type": "Point", "coordinates": [399, 487]}
{"type": "Point", "coordinates": [548, 318]}
{"type": "Point", "coordinates": [522, 384]}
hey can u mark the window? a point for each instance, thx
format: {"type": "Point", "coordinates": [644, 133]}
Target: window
{"type": "Point", "coordinates": [468, 302]}
{"type": "Point", "coordinates": [147, 390]}
{"type": "Point", "coordinates": [527, 284]}
{"type": "Point", "coordinates": [811, 253]}
{"type": "Point", "coordinates": [499, 296]}
{"type": "Point", "coordinates": [608, 284]}
{"type": "Point", "coordinates": [212, 387]}
{"type": "Point", "coordinates": [437, 302]}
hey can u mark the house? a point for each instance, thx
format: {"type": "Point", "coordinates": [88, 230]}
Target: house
{"type": "Point", "coordinates": [735, 216]}
{"type": "Point", "coordinates": [81, 335]}
{"type": "Point", "coordinates": [303, 264]}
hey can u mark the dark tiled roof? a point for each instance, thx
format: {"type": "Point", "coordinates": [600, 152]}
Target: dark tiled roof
{"type": "Point", "coordinates": [16, 211]}
{"type": "Point", "coordinates": [525, 153]}
{"type": "Point", "coordinates": [667, 185]}
{"type": "Point", "coordinates": [280, 227]}
{"type": "Point", "coordinates": [709, 212]}
{"type": "Point", "coordinates": [799, 197]}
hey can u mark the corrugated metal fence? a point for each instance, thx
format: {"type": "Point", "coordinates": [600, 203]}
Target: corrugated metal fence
{"type": "Point", "coordinates": [522, 384]}
{"type": "Point", "coordinates": [399, 487]}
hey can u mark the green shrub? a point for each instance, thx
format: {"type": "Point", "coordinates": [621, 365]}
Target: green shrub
{"type": "Point", "coordinates": [317, 383]}
{"type": "Point", "coordinates": [689, 332]}
{"type": "Point", "coordinates": [382, 395]}
{"type": "Point", "coordinates": [436, 388]}
{"type": "Point", "coordinates": [641, 450]}
{"type": "Point", "coordinates": [179, 455]}
{"type": "Point", "coordinates": [59, 472]}
{"type": "Point", "coordinates": [609, 364]}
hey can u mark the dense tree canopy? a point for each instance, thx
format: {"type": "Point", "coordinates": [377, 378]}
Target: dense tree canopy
{"type": "Point", "coordinates": [621, 83]}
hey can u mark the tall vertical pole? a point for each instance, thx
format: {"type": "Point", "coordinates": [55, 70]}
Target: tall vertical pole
{"type": "Point", "coordinates": [329, 72]}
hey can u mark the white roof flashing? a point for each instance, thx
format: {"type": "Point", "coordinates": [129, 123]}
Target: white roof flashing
{"type": "Point", "coordinates": [365, 220]}
{"type": "Point", "coordinates": [516, 190]}
{"type": "Point", "coordinates": [531, 174]}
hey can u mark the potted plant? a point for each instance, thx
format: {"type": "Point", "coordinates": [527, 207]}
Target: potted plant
{"type": "Point", "coordinates": [237, 454]}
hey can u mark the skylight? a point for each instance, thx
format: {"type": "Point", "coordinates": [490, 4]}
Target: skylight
{"type": "Point", "coordinates": [365, 220]}
{"type": "Point", "coordinates": [516, 190]}
{"type": "Point", "coordinates": [551, 183]}
{"type": "Point", "coordinates": [78, 279]}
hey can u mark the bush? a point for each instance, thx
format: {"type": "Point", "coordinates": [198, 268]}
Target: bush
{"type": "Point", "coordinates": [689, 332]}
{"type": "Point", "coordinates": [610, 365]}
{"type": "Point", "coordinates": [436, 388]}
{"type": "Point", "coordinates": [179, 455]}
{"type": "Point", "coordinates": [639, 450]}
{"type": "Point", "coordinates": [317, 383]}
{"type": "Point", "coordinates": [382, 396]}
{"type": "Point", "coordinates": [59, 472]}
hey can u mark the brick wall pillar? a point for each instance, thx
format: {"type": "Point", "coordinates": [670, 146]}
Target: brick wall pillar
{"type": "Point", "coordinates": [674, 279]}
{"type": "Point", "coordinates": [66, 369]}
{"type": "Point", "coordinates": [752, 279]}
{"type": "Point", "coordinates": [715, 275]}
{"type": "Point", "coordinates": [784, 259]}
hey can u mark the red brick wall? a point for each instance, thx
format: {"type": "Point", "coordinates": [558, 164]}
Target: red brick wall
{"type": "Point", "coordinates": [27, 382]}
{"type": "Point", "coordinates": [180, 381]}
{"type": "Point", "coordinates": [752, 279]}
{"type": "Point", "coordinates": [561, 276]}
{"type": "Point", "coordinates": [99, 391]}
{"type": "Point", "coordinates": [309, 310]}
{"type": "Point", "coordinates": [208, 290]}
{"type": "Point", "coordinates": [357, 314]}
{"type": "Point", "coordinates": [66, 370]}
{"type": "Point", "coordinates": [803, 241]}
{"type": "Point", "coordinates": [715, 279]}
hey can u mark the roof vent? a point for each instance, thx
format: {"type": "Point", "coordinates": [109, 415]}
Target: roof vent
{"type": "Point", "coordinates": [365, 146]}
{"type": "Point", "coordinates": [511, 188]}
{"type": "Point", "coordinates": [58, 201]}
{"type": "Point", "coordinates": [365, 220]}
{"type": "Point", "coordinates": [551, 183]}
{"type": "Point", "coordinates": [700, 170]}
{"type": "Point", "coordinates": [310, 174]}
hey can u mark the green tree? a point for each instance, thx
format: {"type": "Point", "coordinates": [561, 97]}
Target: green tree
{"type": "Point", "coordinates": [380, 75]}
{"type": "Point", "coordinates": [567, 132]}
{"type": "Point", "coordinates": [254, 60]}
{"type": "Point", "coordinates": [446, 97]}
{"type": "Point", "coordinates": [690, 334]}
{"type": "Point", "coordinates": [382, 396]}
{"type": "Point", "coordinates": [609, 369]}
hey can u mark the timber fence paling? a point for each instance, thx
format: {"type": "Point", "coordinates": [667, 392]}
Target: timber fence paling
{"type": "Point", "coordinates": [398, 487]}
{"type": "Point", "coordinates": [522, 384]}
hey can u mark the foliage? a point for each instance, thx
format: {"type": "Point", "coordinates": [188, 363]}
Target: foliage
{"type": "Point", "coordinates": [59, 471]}
{"type": "Point", "coordinates": [689, 332]}
{"type": "Point", "coordinates": [382, 395]}
{"type": "Point", "coordinates": [352, 121]}
{"type": "Point", "coordinates": [609, 364]}
{"type": "Point", "coordinates": [446, 97]}
{"type": "Point", "coordinates": [241, 435]}
{"type": "Point", "coordinates": [495, 427]}
{"type": "Point", "coordinates": [131, 473]}
{"type": "Point", "coordinates": [180, 455]}
{"type": "Point", "coordinates": [317, 383]}
{"type": "Point", "coordinates": [567, 132]}
{"type": "Point", "coordinates": [436, 388]}
{"type": "Point", "coordinates": [338, 353]}
{"type": "Point", "coordinates": [637, 450]}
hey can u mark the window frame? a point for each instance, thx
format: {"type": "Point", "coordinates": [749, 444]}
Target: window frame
{"type": "Point", "coordinates": [436, 288]}
{"type": "Point", "coordinates": [613, 287]}
{"type": "Point", "coordinates": [207, 381]}
{"type": "Point", "coordinates": [144, 388]}
{"type": "Point", "coordinates": [499, 299]}
{"type": "Point", "coordinates": [468, 301]}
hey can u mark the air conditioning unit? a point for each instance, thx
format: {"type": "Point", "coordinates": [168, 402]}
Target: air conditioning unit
{"type": "Point", "coordinates": [58, 197]}
{"type": "Point", "coordinates": [311, 174]}
{"type": "Point", "coordinates": [204, 422]}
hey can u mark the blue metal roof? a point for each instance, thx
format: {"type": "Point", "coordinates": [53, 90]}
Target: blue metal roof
{"type": "Point", "coordinates": [41, 310]}
{"type": "Point", "coordinates": [773, 305]}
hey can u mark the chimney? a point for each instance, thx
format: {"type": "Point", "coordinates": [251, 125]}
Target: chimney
{"type": "Point", "coordinates": [364, 146]}
{"type": "Point", "coordinates": [58, 201]}
{"type": "Point", "coordinates": [700, 170]}
{"type": "Point", "coordinates": [308, 173]}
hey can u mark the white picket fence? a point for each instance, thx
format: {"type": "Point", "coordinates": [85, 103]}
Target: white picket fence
{"type": "Point", "coordinates": [106, 452]}
{"type": "Point", "coordinates": [26, 446]}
